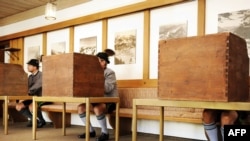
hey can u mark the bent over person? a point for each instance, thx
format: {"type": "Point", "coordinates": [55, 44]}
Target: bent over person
{"type": "Point", "coordinates": [100, 109]}
{"type": "Point", "coordinates": [34, 89]}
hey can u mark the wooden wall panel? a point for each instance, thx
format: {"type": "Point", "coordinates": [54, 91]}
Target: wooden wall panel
{"type": "Point", "coordinates": [17, 57]}
{"type": "Point", "coordinates": [146, 43]}
{"type": "Point", "coordinates": [71, 39]}
{"type": "Point", "coordinates": [44, 44]}
{"type": "Point", "coordinates": [104, 34]}
{"type": "Point", "coordinates": [201, 17]}
{"type": "Point", "coordinates": [1, 56]}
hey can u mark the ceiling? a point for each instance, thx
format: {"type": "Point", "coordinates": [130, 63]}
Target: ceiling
{"type": "Point", "coordinates": [12, 7]}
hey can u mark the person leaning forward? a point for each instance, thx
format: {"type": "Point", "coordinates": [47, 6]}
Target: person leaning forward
{"type": "Point", "coordinates": [100, 109]}
{"type": "Point", "coordinates": [34, 89]}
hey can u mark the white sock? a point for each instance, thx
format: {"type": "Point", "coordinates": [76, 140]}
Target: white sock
{"type": "Point", "coordinates": [212, 131]}
{"type": "Point", "coordinates": [83, 118]}
{"type": "Point", "coordinates": [102, 121]}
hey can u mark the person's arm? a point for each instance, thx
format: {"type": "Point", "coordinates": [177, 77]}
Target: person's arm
{"type": "Point", "coordinates": [110, 82]}
{"type": "Point", "coordinates": [37, 87]}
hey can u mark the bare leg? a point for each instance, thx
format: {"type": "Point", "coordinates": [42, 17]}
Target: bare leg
{"type": "Point", "coordinates": [209, 122]}
{"type": "Point", "coordinates": [227, 118]}
{"type": "Point", "coordinates": [100, 110]}
{"type": "Point", "coordinates": [82, 114]}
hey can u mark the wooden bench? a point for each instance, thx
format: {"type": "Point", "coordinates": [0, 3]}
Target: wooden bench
{"type": "Point", "coordinates": [191, 115]}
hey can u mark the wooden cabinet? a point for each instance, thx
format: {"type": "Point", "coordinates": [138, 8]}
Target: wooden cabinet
{"type": "Point", "coordinates": [72, 74]}
{"type": "Point", "coordinates": [207, 68]}
{"type": "Point", "coordinates": [13, 80]}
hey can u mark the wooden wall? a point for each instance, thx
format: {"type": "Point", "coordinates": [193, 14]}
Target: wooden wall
{"type": "Point", "coordinates": [17, 57]}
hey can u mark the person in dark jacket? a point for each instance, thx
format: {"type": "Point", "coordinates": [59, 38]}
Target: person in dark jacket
{"type": "Point", "coordinates": [34, 89]}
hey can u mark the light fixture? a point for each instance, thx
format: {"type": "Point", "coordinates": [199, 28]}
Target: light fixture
{"type": "Point", "coordinates": [50, 10]}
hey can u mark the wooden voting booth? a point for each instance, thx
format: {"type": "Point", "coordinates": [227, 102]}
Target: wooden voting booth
{"type": "Point", "coordinates": [204, 68]}
{"type": "Point", "coordinates": [13, 86]}
{"type": "Point", "coordinates": [206, 72]}
{"type": "Point", "coordinates": [13, 80]}
{"type": "Point", "coordinates": [72, 75]}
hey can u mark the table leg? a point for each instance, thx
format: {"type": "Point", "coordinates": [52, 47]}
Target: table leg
{"type": "Point", "coordinates": [3, 112]}
{"type": "Point", "coordinates": [87, 119]}
{"type": "Point", "coordinates": [134, 121]}
{"type": "Point", "coordinates": [5, 116]}
{"type": "Point", "coordinates": [34, 119]}
{"type": "Point", "coordinates": [117, 121]}
{"type": "Point", "coordinates": [63, 119]}
{"type": "Point", "coordinates": [161, 123]}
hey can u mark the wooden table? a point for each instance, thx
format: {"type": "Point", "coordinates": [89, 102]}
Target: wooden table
{"type": "Point", "coordinates": [86, 100]}
{"type": "Point", "coordinates": [243, 106]}
{"type": "Point", "coordinates": [5, 100]}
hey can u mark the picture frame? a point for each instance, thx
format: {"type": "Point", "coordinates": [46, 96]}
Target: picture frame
{"type": "Point", "coordinates": [33, 49]}
{"type": "Point", "coordinates": [165, 23]}
{"type": "Point", "coordinates": [127, 41]}
{"type": "Point", "coordinates": [231, 17]}
{"type": "Point", "coordinates": [58, 42]}
{"type": "Point", "coordinates": [88, 38]}
{"type": "Point", "coordinates": [216, 21]}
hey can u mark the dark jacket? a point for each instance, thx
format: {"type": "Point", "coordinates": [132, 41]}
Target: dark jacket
{"type": "Point", "coordinates": [35, 84]}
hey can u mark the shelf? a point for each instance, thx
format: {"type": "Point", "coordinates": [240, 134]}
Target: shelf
{"type": "Point", "coordinates": [10, 49]}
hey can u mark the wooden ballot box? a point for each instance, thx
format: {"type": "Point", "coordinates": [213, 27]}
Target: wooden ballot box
{"type": "Point", "coordinates": [73, 75]}
{"type": "Point", "coordinates": [214, 67]}
{"type": "Point", "coordinates": [13, 80]}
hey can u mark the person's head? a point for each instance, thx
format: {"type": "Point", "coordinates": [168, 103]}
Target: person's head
{"type": "Point", "coordinates": [103, 59]}
{"type": "Point", "coordinates": [33, 65]}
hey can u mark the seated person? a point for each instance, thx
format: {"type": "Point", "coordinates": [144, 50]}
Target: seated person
{"type": "Point", "coordinates": [100, 109]}
{"type": "Point", "coordinates": [212, 119]}
{"type": "Point", "coordinates": [34, 89]}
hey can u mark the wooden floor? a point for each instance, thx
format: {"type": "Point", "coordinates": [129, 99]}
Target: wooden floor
{"type": "Point", "coordinates": [19, 131]}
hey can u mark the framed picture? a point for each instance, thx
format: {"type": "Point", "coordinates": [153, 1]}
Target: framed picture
{"type": "Point", "coordinates": [33, 49]}
{"type": "Point", "coordinates": [58, 42]}
{"type": "Point", "coordinates": [125, 37]}
{"type": "Point", "coordinates": [170, 22]}
{"type": "Point", "coordinates": [88, 38]}
{"type": "Point", "coordinates": [233, 16]}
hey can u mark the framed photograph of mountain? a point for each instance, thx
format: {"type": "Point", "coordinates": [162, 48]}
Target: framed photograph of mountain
{"type": "Point", "coordinates": [167, 23]}
{"type": "Point", "coordinates": [125, 47]}
{"type": "Point", "coordinates": [125, 37]}
{"type": "Point", "coordinates": [58, 42]}
{"type": "Point", "coordinates": [237, 22]}
{"type": "Point", "coordinates": [88, 38]}
{"type": "Point", "coordinates": [230, 16]}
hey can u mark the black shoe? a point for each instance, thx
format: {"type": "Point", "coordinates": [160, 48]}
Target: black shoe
{"type": "Point", "coordinates": [91, 134]}
{"type": "Point", "coordinates": [103, 137]}
{"type": "Point", "coordinates": [29, 124]}
{"type": "Point", "coordinates": [40, 124]}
